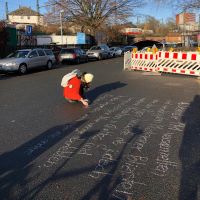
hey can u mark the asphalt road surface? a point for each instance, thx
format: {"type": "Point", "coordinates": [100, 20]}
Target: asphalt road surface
{"type": "Point", "coordinates": [138, 140]}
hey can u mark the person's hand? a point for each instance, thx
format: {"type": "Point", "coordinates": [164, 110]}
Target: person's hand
{"type": "Point", "coordinates": [84, 102]}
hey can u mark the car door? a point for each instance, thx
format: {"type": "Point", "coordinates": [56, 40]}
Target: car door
{"type": "Point", "coordinates": [32, 59]}
{"type": "Point", "coordinates": [78, 54]}
{"type": "Point", "coordinates": [83, 55]}
{"type": "Point", "coordinates": [103, 51]}
{"type": "Point", "coordinates": [42, 59]}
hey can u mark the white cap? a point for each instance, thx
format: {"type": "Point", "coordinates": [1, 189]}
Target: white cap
{"type": "Point", "coordinates": [88, 77]}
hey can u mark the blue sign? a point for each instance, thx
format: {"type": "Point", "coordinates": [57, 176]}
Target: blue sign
{"type": "Point", "coordinates": [28, 30]}
{"type": "Point", "coordinates": [80, 38]}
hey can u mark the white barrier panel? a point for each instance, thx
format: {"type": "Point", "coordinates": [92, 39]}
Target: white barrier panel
{"type": "Point", "coordinates": [146, 61]}
{"type": "Point", "coordinates": [127, 60]}
{"type": "Point", "coordinates": [179, 62]}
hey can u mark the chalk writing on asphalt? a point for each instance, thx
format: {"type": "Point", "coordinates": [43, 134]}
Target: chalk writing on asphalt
{"type": "Point", "coordinates": [125, 139]}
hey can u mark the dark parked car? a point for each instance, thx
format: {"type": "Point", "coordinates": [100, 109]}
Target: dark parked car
{"type": "Point", "coordinates": [75, 55]}
{"type": "Point", "coordinates": [128, 49]}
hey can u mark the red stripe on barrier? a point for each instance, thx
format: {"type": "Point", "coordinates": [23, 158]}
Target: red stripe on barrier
{"type": "Point", "coordinates": [175, 55]}
{"type": "Point", "coordinates": [165, 69]}
{"type": "Point", "coordinates": [136, 55]}
{"type": "Point", "coordinates": [173, 70]}
{"type": "Point", "coordinates": [140, 67]}
{"type": "Point", "coordinates": [151, 57]}
{"type": "Point", "coordinates": [158, 68]}
{"type": "Point", "coordinates": [166, 54]}
{"type": "Point", "coordinates": [194, 56]}
{"type": "Point", "coordinates": [192, 72]}
{"type": "Point", "coordinates": [156, 57]}
{"type": "Point", "coordinates": [145, 68]}
{"type": "Point", "coordinates": [145, 56]}
{"type": "Point", "coordinates": [140, 56]}
{"type": "Point", "coordinates": [184, 56]}
{"type": "Point", "coordinates": [151, 70]}
{"type": "Point", "coordinates": [132, 55]}
{"type": "Point", "coordinates": [159, 54]}
{"type": "Point", "coordinates": [183, 71]}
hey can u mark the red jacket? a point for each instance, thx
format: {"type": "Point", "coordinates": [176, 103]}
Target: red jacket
{"type": "Point", "coordinates": [72, 90]}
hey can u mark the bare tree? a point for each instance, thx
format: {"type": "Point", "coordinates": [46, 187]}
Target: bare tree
{"type": "Point", "coordinates": [91, 14]}
{"type": "Point", "coordinates": [181, 5]}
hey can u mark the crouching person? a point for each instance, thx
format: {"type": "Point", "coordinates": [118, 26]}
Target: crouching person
{"type": "Point", "coordinates": [76, 87]}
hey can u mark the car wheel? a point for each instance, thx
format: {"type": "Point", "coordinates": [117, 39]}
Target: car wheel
{"type": "Point", "coordinates": [22, 69]}
{"type": "Point", "coordinates": [49, 65]}
{"type": "Point", "coordinates": [77, 61]}
{"type": "Point", "coordinates": [100, 57]}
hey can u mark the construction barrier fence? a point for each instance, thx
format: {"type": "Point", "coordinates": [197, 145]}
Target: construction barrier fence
{"type": "Point", "coordinates": [187, 63]}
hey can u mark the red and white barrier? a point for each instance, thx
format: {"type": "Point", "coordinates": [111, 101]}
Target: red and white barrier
{"type": "Point", "coordinates": [144, 61]}
{"type": "Point", "coordinates": [179, 62]}
{"type": "Point", "coordinates": [127, 60]}
{"type": "Point", "coordinates": [187, 63]}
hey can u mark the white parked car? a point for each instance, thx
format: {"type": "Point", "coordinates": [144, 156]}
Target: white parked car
{"type": "Point", "coordinates": [23, 60]}
{"type": "Point", "coordinates": [115, 51]}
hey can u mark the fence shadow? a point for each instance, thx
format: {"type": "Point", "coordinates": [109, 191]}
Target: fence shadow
{"type": "Point", "coordinates": [190, 152]}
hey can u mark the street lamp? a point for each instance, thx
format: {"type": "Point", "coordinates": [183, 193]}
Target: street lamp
{"type": "Point", "coordinates": [61, 26]}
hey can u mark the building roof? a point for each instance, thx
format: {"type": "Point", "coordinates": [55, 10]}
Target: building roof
{"type": "Point", "coordinates": [24, 11]}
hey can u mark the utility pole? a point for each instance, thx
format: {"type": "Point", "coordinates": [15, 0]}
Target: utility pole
{"type": "Point", "coordinates": [199, 22]}
{"type": "Point", "coordinates": [137, 20]}
{"type": "Point", "coordinates": [38, 11]}
{"type": "Point", "coordinates": [6, 5]}
{"type": "Point", "coordinates": [61, 26]}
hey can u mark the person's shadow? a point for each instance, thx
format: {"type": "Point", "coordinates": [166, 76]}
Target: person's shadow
{"type": "Point", "coordinates": [190, 152]}
{"type": "Point", "coordinates": [94, 93]}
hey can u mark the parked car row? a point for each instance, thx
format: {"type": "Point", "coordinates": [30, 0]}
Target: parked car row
{"type": "Point", "coordinates": [23, 60]}
{"type": "Point", "coordinates": [98, 52]}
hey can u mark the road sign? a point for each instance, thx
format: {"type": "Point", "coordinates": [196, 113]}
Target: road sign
{"type": "Point", "coordinates": [28, 30]}
{"type": "Point", "coordinates": [80, 38]}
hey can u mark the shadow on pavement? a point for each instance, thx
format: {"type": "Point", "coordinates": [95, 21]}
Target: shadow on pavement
{"type": "Point", "coordinates": [190, 152]}
{"type": "Point", "coordinates": [105, 187]}
{"type": "Point", "coordinates": [16, 165]}
{"type": "Point", "coordinates": [94, 93]}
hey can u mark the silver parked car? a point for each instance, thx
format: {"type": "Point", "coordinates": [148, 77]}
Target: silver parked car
{"type": "Point", "coordinates": [23, 60]}
{"type": "Point", "coordinates": [115, 51]}
{"type": "Point", "coordinates": [99, 52]}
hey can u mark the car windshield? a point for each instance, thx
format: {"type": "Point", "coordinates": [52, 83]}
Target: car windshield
{"type": "Point", "coordinates": [95, 48]}
{"type": "Point", "coordinates": [18, 54]}
{"type": "Point", "coordinates": [63, 51]}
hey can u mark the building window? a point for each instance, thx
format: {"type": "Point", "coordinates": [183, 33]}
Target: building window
{"type": "Point", "coordinates": [28, 17]}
